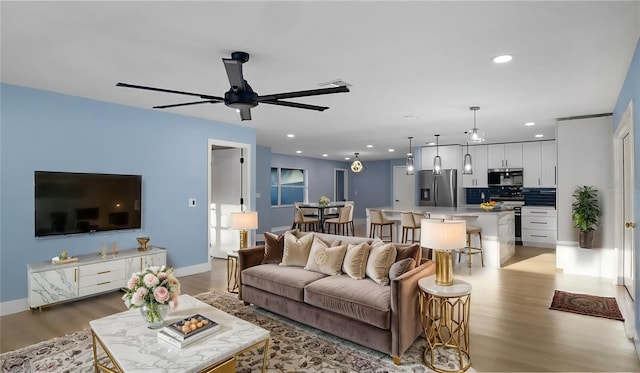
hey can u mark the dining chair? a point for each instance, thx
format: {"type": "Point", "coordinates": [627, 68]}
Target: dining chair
{"type": "Point", "coordinates": [341, 223]}
{"type": "Point", "coordinates": [304, 223]}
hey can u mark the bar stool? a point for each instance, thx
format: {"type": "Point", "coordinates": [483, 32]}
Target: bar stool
{"type": "Point", "coordinates": [303, 222]}
{"type": "Point", "coordinates": [470, 250]}
{"type": "Point", "coordinates": [408, 223]}
{"type": "Point", "coordinates": [378, 220]}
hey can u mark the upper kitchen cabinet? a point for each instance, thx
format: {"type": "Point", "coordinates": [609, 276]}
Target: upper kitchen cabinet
{"type": "Point", "coordinates": [449, 155]}
{"type": "Point", "coordinates": [540, 164]}
{"type": "Point", "coordinates": [479, 162]}
{"type": "Point", "coordinates": [505, 155]}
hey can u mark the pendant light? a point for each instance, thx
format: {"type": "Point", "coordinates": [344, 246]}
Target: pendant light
{"type": "Point", "coordinates": [437, 162]}
{"type": "Point", "coordinates": [357, 166]}
{"type": "Point", "coordinates": [475, 135]}
{"type": "Point", "coordinates": [467, 167]}
{"type": "Point", "coordinates": [409, 163]}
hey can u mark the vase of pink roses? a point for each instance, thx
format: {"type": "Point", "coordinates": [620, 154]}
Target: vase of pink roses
{"type": "Point", "coordinates": [154, 290]}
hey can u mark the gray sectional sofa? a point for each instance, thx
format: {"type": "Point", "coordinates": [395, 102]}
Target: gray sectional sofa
{"type": "Point", "coordinates": [383, 317]}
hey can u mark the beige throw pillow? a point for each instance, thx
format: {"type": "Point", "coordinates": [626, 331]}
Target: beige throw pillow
{"type": "Point", "coordinates": [355, 260]}
{"type": "Point", "coordinates": [325, 259]}
{"type": "Point", "coordinates": [296, 249]}
{"type": "Point", "coordinates": [381, 258]}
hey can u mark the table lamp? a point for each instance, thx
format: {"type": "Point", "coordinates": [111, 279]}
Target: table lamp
{"type": "Point", "coordinates": [243, 221]}
{"type": "Point", "coordinates": [443, 236]}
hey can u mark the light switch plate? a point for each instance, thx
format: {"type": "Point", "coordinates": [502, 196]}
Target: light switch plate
{"type": "Point", "coordinates": [192, 202]}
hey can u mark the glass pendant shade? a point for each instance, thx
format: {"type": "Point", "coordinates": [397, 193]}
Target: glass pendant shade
{"type": "Point", "coordinates": [410, 160]}
{"type": "Point", "coordinates": [467, 167]}
{"type": "Point", "coordinates": [475, 135]}
{"type": "Point", "coordinates": [437, 162]}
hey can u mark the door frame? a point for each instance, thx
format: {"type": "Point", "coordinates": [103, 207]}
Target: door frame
{"type": "Point", "coordinates": [625, 128]}
{"type": "Point", "coordinates": [246, 187]}
{"type": "Point", "coordinates": [346, 182]}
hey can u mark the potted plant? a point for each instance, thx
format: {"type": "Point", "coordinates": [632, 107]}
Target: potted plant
{"type": "Point", "coordinates": [585, 214]}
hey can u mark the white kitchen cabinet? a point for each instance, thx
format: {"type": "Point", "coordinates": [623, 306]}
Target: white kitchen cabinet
{"type": "Point", "coordinates": [539, 164]}
{"type": "Point", "coordinates": [91, 274]}
{"type": "Point", "coordinates": [539, 226]}
{"type": "Point", "coordinates": [449, 155]}
{"type": "Point", "coordinates": [479, 162]}
{"type": "Point", "coordinates": [505, 155]}
{"type": "Point", "coordinates": [53, 286]}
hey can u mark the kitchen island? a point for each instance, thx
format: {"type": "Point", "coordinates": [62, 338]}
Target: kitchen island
{"type": "Point", "coordinates": [498, 228]}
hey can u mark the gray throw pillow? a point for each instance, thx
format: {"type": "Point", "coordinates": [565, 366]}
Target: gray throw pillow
{"type": "Point", "coordinates": [401, 267]}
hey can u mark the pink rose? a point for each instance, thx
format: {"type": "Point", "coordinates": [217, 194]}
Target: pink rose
{"type": "Point", "coordinates": [174, 301]}
{"type": "Point", "coordinates": [131, 284]}
{"type": "Point", "coordinates": [162, 276]}
{"type": "Point", "coordinates": [151, 280]}
{"type": "Point", "coordinates": [138, 297]}
{"type": "Point", "coordinates": [161, 294]}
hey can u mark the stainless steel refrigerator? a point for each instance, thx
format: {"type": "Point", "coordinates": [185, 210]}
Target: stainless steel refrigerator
{"type": "Point", "coordinates": [438, 190]}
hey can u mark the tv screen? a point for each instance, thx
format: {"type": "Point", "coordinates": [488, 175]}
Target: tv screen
{"type": "Point", "coordinates": [68, 202]}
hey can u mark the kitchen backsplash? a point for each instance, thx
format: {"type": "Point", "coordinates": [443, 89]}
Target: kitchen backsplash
{"type": "Point", "coordinates": [474, 195]}
{"type": "Point", "coordinates": [539, 196]}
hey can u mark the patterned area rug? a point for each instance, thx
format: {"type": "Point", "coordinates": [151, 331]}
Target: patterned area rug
{"type": "Point", "coordinates": [584, 304]}
{"type": "Point", "coordinates": [294, 347]}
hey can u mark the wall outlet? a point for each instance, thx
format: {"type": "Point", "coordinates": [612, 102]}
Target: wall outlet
{"type": "Point", "coordinates": [192, 202]}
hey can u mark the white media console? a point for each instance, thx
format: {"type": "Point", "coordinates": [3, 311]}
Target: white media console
{"type": "Point", "coordinates": [90, 275]}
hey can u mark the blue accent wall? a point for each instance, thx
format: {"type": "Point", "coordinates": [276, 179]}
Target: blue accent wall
{"type": "Point", "coordinates": [539, 196]}
{"type": "Point", "coordinates": [49, 131]}
{"type": "Point", "coordinates": [372, 187]}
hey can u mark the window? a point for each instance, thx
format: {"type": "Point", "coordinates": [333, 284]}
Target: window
{"type": "Point", "coordinates": [287, 186]}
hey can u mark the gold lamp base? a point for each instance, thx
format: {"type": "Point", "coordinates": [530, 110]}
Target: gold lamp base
{"type": "Point", "coordinates": [142, 241]}
{"type": "Point", "coordinates": [444, 268]}
{"type": "Point", "coordinates": [243, 239]}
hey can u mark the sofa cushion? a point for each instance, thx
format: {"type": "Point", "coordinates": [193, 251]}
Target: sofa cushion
{"type": "Point", "coordinates": [325, 259]}
{"type": "Point", "coordinates": [296, 249]}
{"type": "Point", "coordinates": [273, 248]}
{"type": "Point", "coordinates": [381, 257]}
{"type": "Point", "coordinates": [363, 300]}
{"type": "Point", "coordinates": [408, 251]}
{"type": "Point", "coordinates": [401, 267]}
{"type": "Point", "coordinates": [288, 282]}
{"type": "Point", "coordinates": [355, 260]}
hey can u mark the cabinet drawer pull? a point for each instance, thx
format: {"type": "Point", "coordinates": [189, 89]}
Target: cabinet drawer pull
{"type": "Point", "coordinates": [75, 275]}
{"type": "Point", "coordinates": [103, 272]}
{"type": "Point", "coordinates": [103, 283]}
{"type": "Point", "coordinates": [539, 212]}
{"type": "Point", "coordinates": [538, 222]}
{"type": "Point", "coordinates": [538, 235]}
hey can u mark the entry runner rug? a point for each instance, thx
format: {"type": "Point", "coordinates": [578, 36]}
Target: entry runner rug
{"type": "Point", "coordinates": [294, 347]}
{"type": "Point", "coordinates": [584, 304]}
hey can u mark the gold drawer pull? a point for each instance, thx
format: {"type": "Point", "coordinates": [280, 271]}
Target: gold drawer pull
{"type": "Point", "coordinates": [103, 283]}
{"type": "Point", "coordinates": [103, 272]}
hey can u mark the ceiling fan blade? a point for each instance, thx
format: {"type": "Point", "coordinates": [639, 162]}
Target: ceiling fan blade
{"type": "Point", "coordinates": [245, 114]}
{"type": "Point", "coordinates": [187, 103]}
{"type": "Point", "coordinates": [296, 105]}
{"type": "Point", "coordinates": [311, 92]}
{"type": "Point", "coordinates": [208, 97]}
{"type": "Point", "coordinates": [234, 72]}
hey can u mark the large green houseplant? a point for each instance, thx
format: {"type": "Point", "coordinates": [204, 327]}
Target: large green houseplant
{"type": "Point", "coordinates": [585, 213]}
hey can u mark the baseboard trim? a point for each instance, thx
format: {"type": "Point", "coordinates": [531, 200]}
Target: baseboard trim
{"type": "Point", "coordinates": [14, 306]}
{"type": "Point", "coordinates": [192, 270]}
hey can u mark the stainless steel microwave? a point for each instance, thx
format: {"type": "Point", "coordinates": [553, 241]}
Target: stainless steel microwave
{"type": "Point", "coordinates": [505, 176]}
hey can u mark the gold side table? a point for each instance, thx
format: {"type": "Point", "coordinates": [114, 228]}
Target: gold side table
{"type": "Point", "coordinates": [444, 311]}
{"type": "Point", "coordinates": [232, 272]}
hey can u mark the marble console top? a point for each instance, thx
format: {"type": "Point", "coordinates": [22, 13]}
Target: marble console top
{"type": "Point", "coordinates": [136, 348]}
{"type": "Point", "coordinates": [95, 258]}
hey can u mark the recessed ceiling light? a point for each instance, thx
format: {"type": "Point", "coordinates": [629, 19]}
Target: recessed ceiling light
{"type": "Point", "coordinates": [502, 58]}
{"type": "Point", "coordinates": [431, 143]}
{"type": "Point", "coordinates": [391, 150]}
{"type": "Point", "coordinates": [346, 158]}
{"type": "Point", "coordinates": [291, 135]}
{"type": "Point", "coordinates": [325, 155]}
{"type": "Point", "coordinates": [530, 124]}
{"type": "Point", "coordinates": [298, 151]}
{"type": "Point", "coordinates": [539, 135]}
{"type": "Point", "coordinates": [369, 146]}
{"type": "Point", "coordinates": [410, 117]}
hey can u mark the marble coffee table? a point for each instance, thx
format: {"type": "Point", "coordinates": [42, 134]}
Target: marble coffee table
{"type": "Point", "coordinates": [133, 347]}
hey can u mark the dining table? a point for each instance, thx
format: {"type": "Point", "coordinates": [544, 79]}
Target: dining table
{"type": "Point", "coordinates": [321, 209]}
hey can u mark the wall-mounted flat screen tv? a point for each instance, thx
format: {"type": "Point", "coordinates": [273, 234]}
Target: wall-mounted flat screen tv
{"type": "Point", "coordinates": [70, 203]}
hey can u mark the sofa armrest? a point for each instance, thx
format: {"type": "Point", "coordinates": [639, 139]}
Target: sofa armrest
{"type": "Point", "coordinates": [406, 324]}
{"type": "Point", "coordinates": [247, 258]}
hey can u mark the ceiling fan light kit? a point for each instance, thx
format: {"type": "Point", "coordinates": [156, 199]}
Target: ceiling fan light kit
{"type": "Point", "coordinates": [241, 96]}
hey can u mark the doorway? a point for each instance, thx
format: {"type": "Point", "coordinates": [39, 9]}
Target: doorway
{"type": "Point", "coordinates": [404, 189]}
{"type": "Point", "coordinates": [340, 184]}
{"type": "Point", "coordinates": [229, 180]}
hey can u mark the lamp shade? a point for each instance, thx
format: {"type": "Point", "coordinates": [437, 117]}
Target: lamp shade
{"type": "Point", "coordinates": [244, 220]}
{"type": "Point", "coordinates": [443, 234]}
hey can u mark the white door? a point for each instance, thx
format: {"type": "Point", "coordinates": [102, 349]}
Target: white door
{"type": "Point", "coordinates": [404, 189]}
{"type": "Point", "coordinates": [628, 266]}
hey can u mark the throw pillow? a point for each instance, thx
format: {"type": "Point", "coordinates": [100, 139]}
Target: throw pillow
{"type": "Point", "coordinates": [401, 267]}
{"type": "Point", "coordinates": [273, 248]}
{"type": "Point", "coordinates": [381, 257]}
{"type": "Point", "coordinates": [414, 251]}
{"type": "Point", "coordinates": [355, 260]}
{"type": "Point", "coordinates": [325, 259]}
{"type": "Point", "coordinates": [296, 249]}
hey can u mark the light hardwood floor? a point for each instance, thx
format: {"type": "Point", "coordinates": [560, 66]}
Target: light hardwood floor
{"type": "Point", "coordinates": [511, 327]}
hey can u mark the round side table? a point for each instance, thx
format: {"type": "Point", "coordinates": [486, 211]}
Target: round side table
{"type": "Point", "coordinates": [444, 311]}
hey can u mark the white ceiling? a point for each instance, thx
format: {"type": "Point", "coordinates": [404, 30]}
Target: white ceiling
{"type": "Point", "coordinates": [429, 60]}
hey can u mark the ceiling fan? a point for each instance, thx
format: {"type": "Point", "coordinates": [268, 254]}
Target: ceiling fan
{"type": "Point", "coordinates": [241, 96]}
